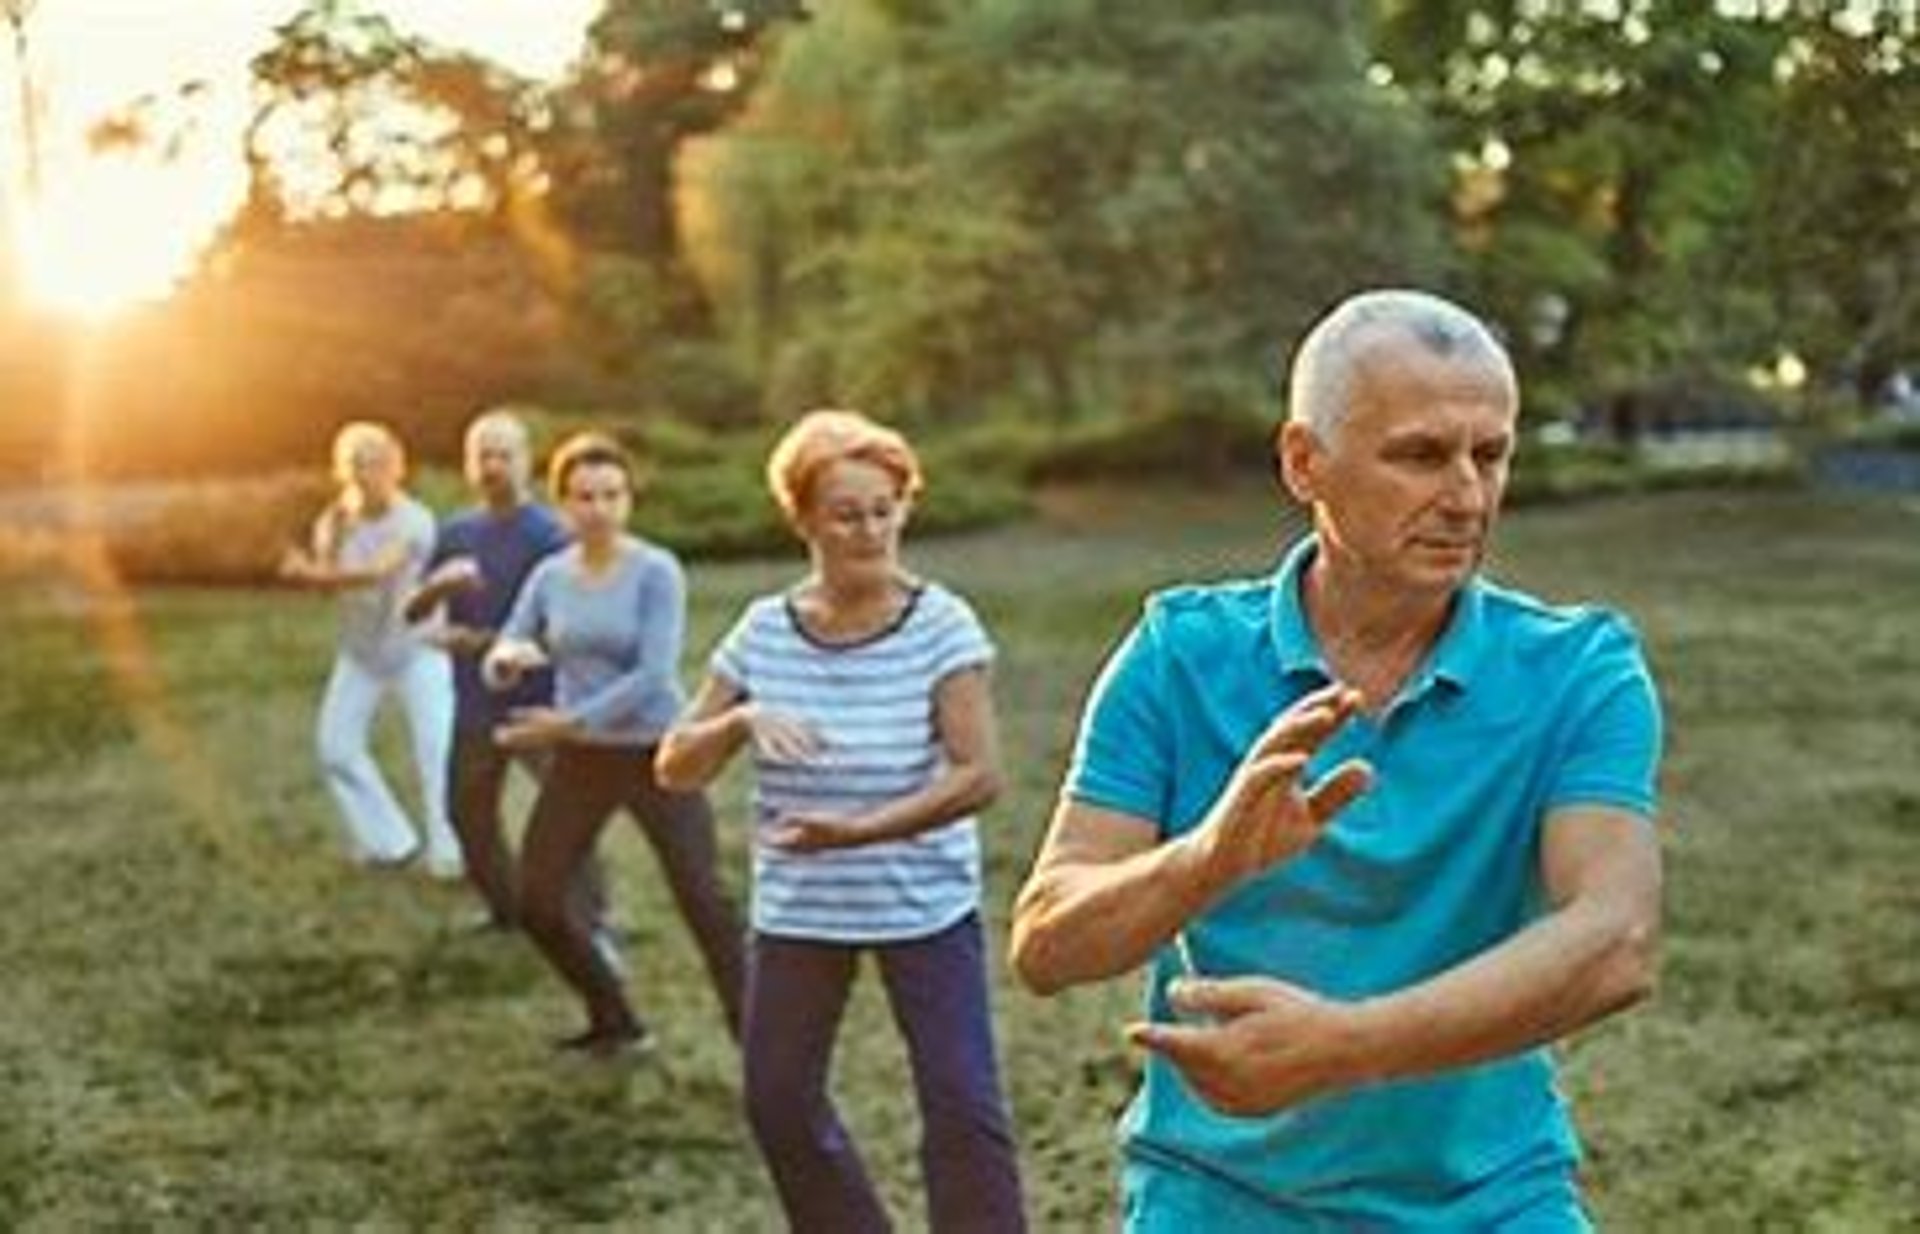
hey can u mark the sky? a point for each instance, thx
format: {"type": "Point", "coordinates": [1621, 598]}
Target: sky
{"type": "Point", "coordinates": [110, 231]}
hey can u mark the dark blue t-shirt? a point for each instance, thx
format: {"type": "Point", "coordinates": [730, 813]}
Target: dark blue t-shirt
{"type": "Point", "coordinates": [507, 547]}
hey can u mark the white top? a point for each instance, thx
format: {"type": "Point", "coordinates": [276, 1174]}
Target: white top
{"type": "Point", "coordinates": [372, 628]}
{"type": "Point", "coordinates": [872, 704]}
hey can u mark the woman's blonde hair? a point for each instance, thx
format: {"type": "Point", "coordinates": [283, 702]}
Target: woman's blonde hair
{"type": "Point", "coordinates": [357, 433]}
{"type": "Point", "coordinates": [821, 438]}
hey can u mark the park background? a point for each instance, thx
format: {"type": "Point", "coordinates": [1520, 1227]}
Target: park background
{"type": "Point", "coordinates": [1063, 244]}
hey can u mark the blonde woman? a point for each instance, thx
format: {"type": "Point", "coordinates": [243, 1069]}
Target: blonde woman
{"type": "Point", "coordinates": [368, 548]}
{"type": "Point", "coordinates": [863, 692]}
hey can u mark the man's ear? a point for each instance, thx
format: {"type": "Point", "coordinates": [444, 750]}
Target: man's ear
{"type": "Point", "coordinates": [1296, 458]}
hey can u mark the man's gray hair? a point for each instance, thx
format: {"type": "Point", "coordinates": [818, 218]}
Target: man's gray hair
{"type": "Point", "coordinates": [1320, 387]}
{"type": "Point", "coordinates": [499, 420]}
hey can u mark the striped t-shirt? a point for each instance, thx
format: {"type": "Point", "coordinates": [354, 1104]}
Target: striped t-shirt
{"type": "Point", "coordinates": [871, 703]}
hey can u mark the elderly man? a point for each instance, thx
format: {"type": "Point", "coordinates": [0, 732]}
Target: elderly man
{"type": "Point", "coordinates": [1383, 828]}
{"type": "Point", "coordinates": [480, 558]}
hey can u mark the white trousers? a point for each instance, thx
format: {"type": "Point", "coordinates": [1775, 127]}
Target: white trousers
{"type": "Point", "coordinates": [378, 830]}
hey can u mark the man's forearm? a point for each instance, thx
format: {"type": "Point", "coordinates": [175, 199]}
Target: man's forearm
{"type": "Point", "coordinates": [1079, 921]}
{"type": "Point", "coordinates": [1571, 968]}
{"type": "Point", "coordinates": [427, 597]}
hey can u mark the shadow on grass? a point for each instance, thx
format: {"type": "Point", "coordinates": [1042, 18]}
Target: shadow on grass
{"type": "Point", "coordinates": [574, 1154]}
{"type": "Point", "coordinates": [255, 991]}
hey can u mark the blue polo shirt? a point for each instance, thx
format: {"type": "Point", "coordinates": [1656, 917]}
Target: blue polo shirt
{"type": "Point", "coordinates": [506, 547]}
{"type": "Point", "coordinates": [1519, 709]}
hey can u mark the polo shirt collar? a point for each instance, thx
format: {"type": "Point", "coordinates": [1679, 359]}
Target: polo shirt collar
{"type": "Point", "coordinates": [1294, 643]}
{"type": "Point", "coordinates": [1453, 660]}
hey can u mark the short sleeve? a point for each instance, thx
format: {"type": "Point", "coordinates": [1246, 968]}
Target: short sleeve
{"type": "Point", "coordinates": [1609, 751]}
{"type": "Point", "coordinates": [958, 639]}
{"type": "Point", "coordinates": [419, 535]}
{"type": "Point", "coordinates": [730, 657]}
{"type": "Point", "coordinates": [1123, 756]}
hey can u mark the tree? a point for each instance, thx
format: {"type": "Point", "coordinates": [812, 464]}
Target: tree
{"type": "Point", "coordinates": [1656, 187]}
{"type": "Point", "coordinates": [937, 206]}
{"type": "Point", "coordinates": [354, 117]}
{"type": "Point", "coordinates": [658, 74]}
{"type": "Point", "coordinates": [1840, 204]}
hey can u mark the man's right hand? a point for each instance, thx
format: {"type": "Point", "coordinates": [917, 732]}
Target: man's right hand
{"type": "Point", "coordinates": [456, 574]}
{"type": "Point", "coordinates": [1264, 815]}
{"type": "Point", "coordinates": [464, 641]}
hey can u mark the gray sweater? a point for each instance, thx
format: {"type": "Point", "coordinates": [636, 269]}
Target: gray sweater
{"type": "Point", "coordinates": [614, 640]}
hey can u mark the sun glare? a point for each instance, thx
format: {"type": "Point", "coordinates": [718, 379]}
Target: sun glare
{"type": "Point", "coordinates": [112, 234]}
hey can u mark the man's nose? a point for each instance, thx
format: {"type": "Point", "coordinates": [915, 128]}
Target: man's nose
{"type": "Point", "coordinates": [1467, 489]}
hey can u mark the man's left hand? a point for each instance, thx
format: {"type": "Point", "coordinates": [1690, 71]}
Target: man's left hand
{"type": "Point", "coordinates": [1267, 1044]}
{"type": "Point", "coordinates": [466, 641]}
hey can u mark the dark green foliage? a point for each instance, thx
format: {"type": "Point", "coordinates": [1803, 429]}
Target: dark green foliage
{"type": "Point", "coordinates": [720, 507]}
{"type": "Point", "coordinates": [1895, 437]}
{"type": "Point", "coordinates": [1545, 476]}
{"type": "Point", "coordinates": [937, 210]}
{"type": "Point", "coordinates": [1673, 187]}
{"type": "Point", "coordinates": [1164, 447]}
{"type": "Point", "coordinates": [659, 73]}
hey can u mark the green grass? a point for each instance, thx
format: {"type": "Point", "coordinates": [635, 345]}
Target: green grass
{"type": "Point", "coordinates": [209, 1023]}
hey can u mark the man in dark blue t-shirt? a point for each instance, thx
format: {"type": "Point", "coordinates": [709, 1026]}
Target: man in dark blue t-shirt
{"type": "Point", "coordinates": [480, 558]}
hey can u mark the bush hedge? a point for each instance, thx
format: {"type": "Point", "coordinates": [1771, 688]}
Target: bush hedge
{"type": "Point", "coordinates": [706, 496]}
{"type": "Point", "coordinates": [213, 531]}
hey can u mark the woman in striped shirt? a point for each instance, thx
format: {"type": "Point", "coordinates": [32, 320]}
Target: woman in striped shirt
{"type": "Point", "coordinates": [863, 692]}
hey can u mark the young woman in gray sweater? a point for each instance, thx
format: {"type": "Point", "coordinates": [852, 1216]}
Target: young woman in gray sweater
{"type": "Point", "coordinates": [609, 615]}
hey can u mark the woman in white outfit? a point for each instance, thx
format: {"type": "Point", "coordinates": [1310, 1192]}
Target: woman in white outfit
{"type": "Point", "coordinates": [368, 548]}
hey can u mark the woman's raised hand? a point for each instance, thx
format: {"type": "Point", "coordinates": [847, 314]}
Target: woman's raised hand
{"type": "Point", "coordinates": [782, 738]}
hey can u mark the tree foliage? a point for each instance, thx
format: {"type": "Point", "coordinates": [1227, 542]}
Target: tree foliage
{"type": "Point", "coordinates": [1839, 208]}
{"type": "Point", "coordinates": [933, 207]}
{"type": "Point", "coordinates": [352, 116]}
{"type": "Point", "coordinates": [1671, 186]}
{"type": "Point", "coordinates": [1066, 209]}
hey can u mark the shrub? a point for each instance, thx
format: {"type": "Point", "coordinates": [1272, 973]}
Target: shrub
{"type": "Point", "coordinates": [223, 532]}
{"type": "Point", "coordinates": [1184, 445]}
{"type": "Point", "coordinates": [720, 507]}
{"type": "Point", "coordinates": [1544, 474]}
{"type": "Point", "coordinates": [215, 531]}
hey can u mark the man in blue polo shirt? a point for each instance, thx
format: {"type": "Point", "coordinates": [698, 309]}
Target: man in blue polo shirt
{"type": "Point", "coordinates": [480, 558]}
{"type": "Point", "coordinates": [1382, 829]}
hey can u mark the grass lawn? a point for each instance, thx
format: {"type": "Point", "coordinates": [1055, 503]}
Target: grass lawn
{"type": "Point", "coordinates": [209, 1022]}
